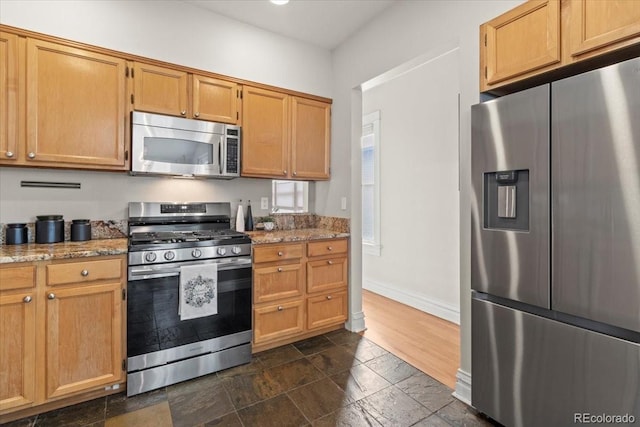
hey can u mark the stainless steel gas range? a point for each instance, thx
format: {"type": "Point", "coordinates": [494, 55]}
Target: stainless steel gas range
{"type": "Point", "coordinates": [168, 241]}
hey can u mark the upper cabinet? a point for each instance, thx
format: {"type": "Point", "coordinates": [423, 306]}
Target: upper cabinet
{"type": "Point", "coordinates": [543, 35]}
{"type": "Point", "coordinates": [285, 136]}
{"type": "Point", "coordinates": [8, 97]}
{"type": "Point", "coordinates": [602, 25]}
{"type": "Point", "coordinates": [75, 107]}
{"type": "Point", "coordinates": [170, 91]}
{"type": "Point", "coordinates": [525, 39]}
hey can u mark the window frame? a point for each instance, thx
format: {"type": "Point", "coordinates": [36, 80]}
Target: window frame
{"type": "Point", "coordinates": [371, 126]}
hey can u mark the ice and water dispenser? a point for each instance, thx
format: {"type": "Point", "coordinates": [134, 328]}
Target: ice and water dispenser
{"type": "Point", "coordinates": [506, 200]}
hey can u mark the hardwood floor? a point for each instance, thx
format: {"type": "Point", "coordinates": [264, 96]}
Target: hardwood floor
{"type": "Point", "coordinates": [427, 342]}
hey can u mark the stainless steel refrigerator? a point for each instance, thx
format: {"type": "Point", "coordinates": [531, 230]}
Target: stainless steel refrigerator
{"type": "Point", "coordinates": [555, 265]}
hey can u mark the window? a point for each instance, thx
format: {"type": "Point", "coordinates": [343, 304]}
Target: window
{"type": "Point", "coordinates": [290, 196]}
{"type": "Point", "coordinates": [370, 146]}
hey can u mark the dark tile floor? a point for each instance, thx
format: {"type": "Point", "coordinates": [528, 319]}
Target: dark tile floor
{"type": "Point", "coordinates": [337, 379]}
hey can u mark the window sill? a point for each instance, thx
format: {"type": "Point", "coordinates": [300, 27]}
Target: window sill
{"type": "Point", "coordinates": [370, 249]}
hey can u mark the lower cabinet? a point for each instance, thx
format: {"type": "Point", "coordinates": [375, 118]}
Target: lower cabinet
{"type": "Point", "coordinates": [61, 332]}
{"type": "Point", "coordinates": [300, 290]}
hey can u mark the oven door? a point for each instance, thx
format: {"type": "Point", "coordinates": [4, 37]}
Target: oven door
{"type": "Point", "coordinates": [157, 336]}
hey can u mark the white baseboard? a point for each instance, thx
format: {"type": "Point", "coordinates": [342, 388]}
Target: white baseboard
{"type": "Point", "coordinates": [463, 387]}
{"type": "Point", "coordinates": [355, 322]}
{"type": "Point", "coordinates": [421, 302]}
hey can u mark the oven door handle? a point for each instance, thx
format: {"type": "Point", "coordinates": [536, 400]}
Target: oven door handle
{"type": "Point", "coordinates": [163, 270]}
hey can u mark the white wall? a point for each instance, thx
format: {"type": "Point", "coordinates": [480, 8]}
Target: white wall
{"type": "Point", "coordinates": [404, 31]}
{"type": "Point", "coordinates": [171, 31]}
{"type": "Point", "coordinates": [419, 260]}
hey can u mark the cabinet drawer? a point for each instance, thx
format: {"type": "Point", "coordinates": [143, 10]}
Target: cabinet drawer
{"type": "Point", "coordinates": [327, 247]}
{"type": "Point", "coordinates": [326, 274]}
{"type": "Point", "coordinates": [277, 252]}
{"type": "Point", "coordinates": [83, 271]}
{"type": "Point", "coordinates": [277, 321]}
{"type": "Point", "coordinates": [327, 309]}
{"type": "Point", "coordinates": [277, 282]}
{"type": "Point", "coordinates": [17, 277]}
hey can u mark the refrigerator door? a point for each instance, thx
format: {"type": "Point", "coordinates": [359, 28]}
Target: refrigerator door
{"type": "Point", "coordinates": [510, 204]}
{"type": "Point", "coordinates": [596, 195]}
{"type": "Point", "coordinates": [533, 371]}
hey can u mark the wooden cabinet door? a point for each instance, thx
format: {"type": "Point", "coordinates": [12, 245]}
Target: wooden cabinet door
{"type": "Point", "coordinates": [275, 282]}
{"type": "Point", "coordinates": [17, 349]}
{"type": "Point", "coordinates": [523, 40]}
{"type": "Point", "coordinates": [160, 90]}
{"type": "Point", "coordinates": [75, 107]}
{"type": "Point", "coordinates": [83, 338]}
{"type": "Point", "coordinates": [280, 252]}
{"type": "Point", "coordinates": [327, 309]}
{"type": "Point", "coordinates": [326, 274]}
{"type": "Point", "coordinates": [600, 24]}
{"type": "Point", "coordinates": [215, 100]}
{"type": "Point", "coordinates": [273, 322]}
{"type": "Point", "coordinates": [310, 139]}
{"type": "Point", "coordinates": [8, 97]}
{"type": "Point", "coordinates": [265, 133]}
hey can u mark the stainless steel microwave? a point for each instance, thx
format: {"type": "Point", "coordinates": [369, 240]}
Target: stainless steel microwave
{"type": "Point", "coordinates": [167, 145]}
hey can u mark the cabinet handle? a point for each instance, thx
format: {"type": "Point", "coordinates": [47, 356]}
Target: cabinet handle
{"type": "Point", "coordinates": [284, 172]}
{"type": "Point", "coordinates": [183, 112]}
{"type": "Point", "coordinates": [196, 114]}
{"type": "Point", "coordinates": [9, 154]}
{"type": "Point", "coordinates": [280, 253]}
{"type": "Point", "coordinates": [51, 296]}
{"type": "Point", "coordinates": [329, 297]}
{"type": "Point", "coordinates": [329, 248]}
{"type": "Point", "coordinates": [31, 155]}
{"type": "Point", "coordinates": [279, 269]}
{"type": "Point", "coordinates": [330, 262]}
{"type": "Point", "coordinates": [295, 173]}
{"type": "Point", "coordinates": [84, 273]}
{"type": "Point", "coordinates": [27, 299]}
{"type": "Point", "coordinates": [280, 308]}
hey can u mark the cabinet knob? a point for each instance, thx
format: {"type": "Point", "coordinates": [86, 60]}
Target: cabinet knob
{"type": "Point", "coordinates": [196, 114]}
{"type": "Point", "coordinates": [51, 296]}
{"type": "Point", "coordinates": [183, 112]}
{"type": "Point", "coordinates": [27, 299]}
{"type": "Point", "coordinates": [280, 308]}
{"type": "Point", "coordinates": [280, 253]}
{"type": "Point", "coordinates": [329, 297]}
{"type": "Point", "coordinates": [330, 262]}
{"type": "Point", "coordinates": [31, 155]}
{"type": "Point", "coordinates": [9, 154]}
{"type": "Point", "coordinates": [329, 248]}
{"type": "Point", "coordinates": [295, 173]}
{"type": "Point", "coordinates": [284, 172]}
{"type": "Point", "coordinates": [279, 269]}
{"type": "Point", "coordinates": [84, 273]}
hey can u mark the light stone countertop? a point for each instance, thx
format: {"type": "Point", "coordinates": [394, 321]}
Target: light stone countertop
{"type": "Point", "coordinates": [299, 235]}
{"type": "Point", "coordinates": [63, 250]}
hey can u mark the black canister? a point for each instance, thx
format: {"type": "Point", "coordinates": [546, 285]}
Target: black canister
{"type": "Point", "coordinates": [16, 234]}
{"type": "Point", "coordinates": [49, 229]}
{"type": "Point", "coordinates": [80, 230]}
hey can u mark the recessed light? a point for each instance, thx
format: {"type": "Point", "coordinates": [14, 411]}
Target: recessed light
{"type": "Point", "coordinates": [279, 2]}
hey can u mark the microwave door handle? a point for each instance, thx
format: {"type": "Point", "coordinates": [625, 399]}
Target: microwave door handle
{"type": "Point", "coordinates": [220, 156]}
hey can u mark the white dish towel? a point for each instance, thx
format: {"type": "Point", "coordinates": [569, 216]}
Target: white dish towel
{"type": "Point", "coordinates": [198, 291]}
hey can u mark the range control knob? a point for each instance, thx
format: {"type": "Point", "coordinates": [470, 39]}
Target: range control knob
{"type": "Point", "coordinates": [150, 257]}
{"type": "Point", "coordinates": [222, 251]}
{"type": "Point", "coordinates": [236, 250]}
{"type": "Point", "coordinates": [169, 255]}
{"type": "Point", "coordinates": [196, 253]}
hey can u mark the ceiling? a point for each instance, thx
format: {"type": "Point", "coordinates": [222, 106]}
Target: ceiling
{"type": "Point", "coordinates": [324, 23]}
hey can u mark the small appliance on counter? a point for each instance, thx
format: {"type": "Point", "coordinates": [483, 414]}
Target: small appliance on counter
{"type": "Point", "coordinates": [49, 229]}
{"type": "Point", "coordinates": [16, 234]}
{"type": "Point", "coordinates": [80, 230]}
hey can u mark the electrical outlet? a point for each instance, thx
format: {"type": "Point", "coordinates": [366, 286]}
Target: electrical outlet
{"type": "Point", "coordinates": [264, 203]}
{"type": "Point", "coordinates": [343, 203]}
